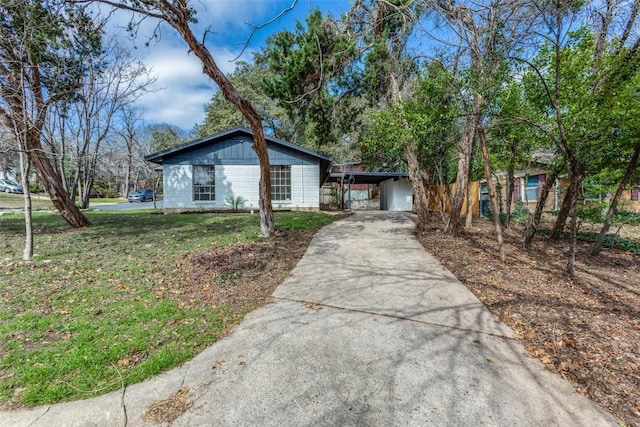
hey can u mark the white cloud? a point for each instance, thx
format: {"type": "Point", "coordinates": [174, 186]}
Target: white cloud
{"type": "Point", "coordinates": [182, 88]}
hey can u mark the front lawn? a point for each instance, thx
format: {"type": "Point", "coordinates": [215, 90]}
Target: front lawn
{"type": "Point", "coordinates": [107, 306]}
{"type": "Point", "coordinates": [16, 201]}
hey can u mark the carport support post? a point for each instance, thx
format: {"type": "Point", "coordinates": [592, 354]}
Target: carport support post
{"type": "Point", "coordinates": [350, 193]}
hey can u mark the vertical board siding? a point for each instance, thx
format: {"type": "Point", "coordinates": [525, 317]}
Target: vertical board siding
{"type": "Point", "coordinates": [239, 151]}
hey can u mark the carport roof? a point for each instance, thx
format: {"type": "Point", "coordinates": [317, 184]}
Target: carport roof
{"type": "Point", "coordinates": [354, 177]}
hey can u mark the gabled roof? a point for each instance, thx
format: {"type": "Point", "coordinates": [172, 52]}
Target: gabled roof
{"type": "Point", "coordinates": [213, 139]}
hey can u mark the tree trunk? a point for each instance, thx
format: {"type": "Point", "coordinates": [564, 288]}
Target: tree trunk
{"type": "Point", "coordinates": [563, 214]}
{"type": "Point", "coordinates": [469, 219]}
{"type": "Point", "coordinates": [631, 167]}
{"type": "Point", "coordinates": [127, 178]}
{"type": "Point", "coordinates": [575, 190]}
{"type": "Point", "coordinates": [492, 191]}
{"type": "Point", "coordinates": [511, 183]}
{"type": "Point", "coordinates": [52, 183]}
{"type": "Point", "coordinates": [27, 253]}
{"type": "Point", "coordinates": [419, 191]}
{"type": "Point", "coordinates": [443, 197]}
{"type": "Point", "coordinates": [411, 156]}
{"type": "Point", "coordinates": [267, 225]}
{"type": "Point", "coordinates": [534, 221]}
{"type": "Point", "coordinates": [181, 24]}
{"type": "Point", "coordinates": [88, 178]}
{"type": "Point", "coordinates": [464, 149]}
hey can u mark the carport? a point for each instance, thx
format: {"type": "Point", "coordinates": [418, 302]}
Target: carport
{"type": "Point", "coordinates": [395, 189]}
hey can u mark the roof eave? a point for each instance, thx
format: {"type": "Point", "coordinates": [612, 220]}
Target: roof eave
{"type": "Point", "coordinates": [159, 156]}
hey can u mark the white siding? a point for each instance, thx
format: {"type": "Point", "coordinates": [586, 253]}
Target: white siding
{"type": "Point", "coordinates": [305, 187]}
{"type": "Point", "coordinates": [177, 182]}
{"type": "Point", "coordinates": [239, 180]}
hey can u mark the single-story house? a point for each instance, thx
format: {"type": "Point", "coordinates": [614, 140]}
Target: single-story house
{"type": "Point", "coordinates": [207, 172]}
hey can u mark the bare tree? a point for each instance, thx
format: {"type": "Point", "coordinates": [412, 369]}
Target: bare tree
{"type": "Point", "coordinates": [386, 28]}
{"type": "Point", "coordinates": [8, 152]}
{"type": "Point", "coordinates": [129, 136]}
{"type": "Point", "coordinates": [495, 212]}
{"type": "Point", "coordinates": [18, 145]}
{"type": "Point", "coordinates": [91, 116]}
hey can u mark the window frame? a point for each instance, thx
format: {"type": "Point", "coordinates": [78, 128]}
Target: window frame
{"type": "Point", "coordinates": [196, 195]}
{"type": "Point", "coordinates": [531, 187]}
{"type": "Point", "coordinates": [280, 183]}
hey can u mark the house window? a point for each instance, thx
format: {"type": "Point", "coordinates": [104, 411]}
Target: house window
{"type": "Point", "coordinates": [534, 184]}
{"type": "Point", "coordinates": [280, 183]}
{"type": "Point", "coordinates": [204, 182]}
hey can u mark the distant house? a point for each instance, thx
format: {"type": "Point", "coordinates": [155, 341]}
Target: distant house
{"type": "Point", "coordinates": [207, 172]}
{"type": "Point", "coordinates": [528, 186]}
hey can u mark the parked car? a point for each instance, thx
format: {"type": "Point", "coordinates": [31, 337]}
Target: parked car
{"type": "Point", "coordinates": [141, 195]}
{"type": "Point", "coordinates": [9, 186]}
{"type": "Point", "coordinates": [94, 194]}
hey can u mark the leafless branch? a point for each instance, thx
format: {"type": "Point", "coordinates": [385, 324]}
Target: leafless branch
{"type": "Point", "coordinates": [255, 28]}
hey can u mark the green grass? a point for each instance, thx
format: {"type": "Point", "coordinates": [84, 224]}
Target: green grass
{"type": "Point", "coordinates": [83, 318]}
{"type": "Point", "coordinates": [103, 200]}
{"type": "Point", "coordinates": [16, 201]}
{"type": "Point", "coordinates": [41, 201]}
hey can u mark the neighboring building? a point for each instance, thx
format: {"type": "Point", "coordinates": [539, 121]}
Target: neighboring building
{"type": "Point", "coordinates": [526, 190]}
{"type": "Point", "coordinates": [349, 186]}
{"type": "Point", "coordinates": [207, 172]}
{"type": "Point", "coordinates": [528, 186]}
{"type": "Point", "coordinates": [362, 190]}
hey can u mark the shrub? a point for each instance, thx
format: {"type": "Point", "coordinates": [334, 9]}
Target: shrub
{"type": "Point", "coordinates": [236, 202]}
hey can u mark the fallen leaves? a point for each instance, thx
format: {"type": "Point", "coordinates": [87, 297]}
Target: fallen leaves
{"type": "Point", "coordinates": [134, 359]}
{"type": "Point", "coordinates": [586, 327]}
{"type": "Point", "coordinates": [169, 409]}
{"type": "Point", "coordinates": [242, 275]}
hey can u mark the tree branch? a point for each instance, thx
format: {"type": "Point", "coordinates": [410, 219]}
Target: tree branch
{"type": "Point", "coordinates": [255, 28]}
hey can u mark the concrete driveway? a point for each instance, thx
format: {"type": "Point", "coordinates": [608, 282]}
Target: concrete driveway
{"type": "Point", "coordinates": [369, 330]}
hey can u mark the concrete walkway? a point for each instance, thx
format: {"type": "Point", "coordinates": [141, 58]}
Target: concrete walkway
{"type": "Point", "coordinates": [370, 330]}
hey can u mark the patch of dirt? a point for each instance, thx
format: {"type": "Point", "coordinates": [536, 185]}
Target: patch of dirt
{"type": "Point", "coordinates": [241, 276]}
{"type": "Point", "coordinates": [586, 328]}
{"type": "Point", "coordinates": [169, 409]}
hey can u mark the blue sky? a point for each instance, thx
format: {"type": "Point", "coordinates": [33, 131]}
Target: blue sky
{"type": "Point", "coordinates": [182, 89]}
